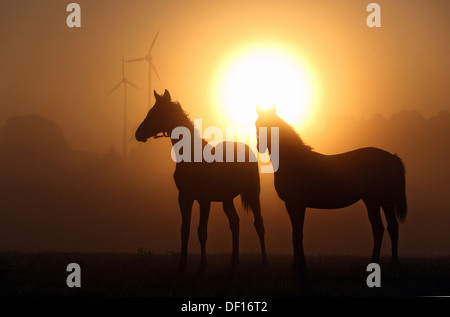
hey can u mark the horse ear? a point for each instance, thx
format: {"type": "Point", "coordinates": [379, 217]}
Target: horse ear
{"type": "Point", "coordinates": [258, 109]}
{"type": "Point", "coordinates": [273, 110]}
{"type": "Point", "coordinates": [167, 95]}
{"type": "Point", "coordinates": [157, 97]}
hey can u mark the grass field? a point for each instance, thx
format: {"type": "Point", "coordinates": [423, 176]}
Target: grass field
{"type": "Point", "coordinates": [123, 274]}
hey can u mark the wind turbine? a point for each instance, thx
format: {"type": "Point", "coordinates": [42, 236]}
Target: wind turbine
{"type": "Point", "coordinates": [151, 67]}
{"type": "Point", "coordinates": [124, 81]}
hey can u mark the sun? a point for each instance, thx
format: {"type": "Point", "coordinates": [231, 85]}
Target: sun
{"type": "Point", "coordinates": [265, 75]}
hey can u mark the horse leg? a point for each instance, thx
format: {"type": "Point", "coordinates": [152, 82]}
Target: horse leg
{"type": "Point", "coordinates": [392, 228]}
{"type": "Point", "coordinates": [259, 225]}
{"type": "Point", "coordinates": [297, 216]}
{"type": "Point", "coordinates": [202, 232]}
{"type": "Point", "coordinates": [377, 229]}
{"type": "Point", "coordinates": [185, 203]}
{"type": "Point", "coordinates": [233, 220]}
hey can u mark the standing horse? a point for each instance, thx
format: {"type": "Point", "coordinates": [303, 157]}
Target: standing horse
{"type": "Point", "coordinates": [309, 179]}
{"type": "Point", "coordinates": [204, 181]}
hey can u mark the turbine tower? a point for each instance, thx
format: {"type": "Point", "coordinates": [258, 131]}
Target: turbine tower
{"type": "Point", "coordinates": [124, 81]}
{"type": "Point", "coordinates": [151, 67]}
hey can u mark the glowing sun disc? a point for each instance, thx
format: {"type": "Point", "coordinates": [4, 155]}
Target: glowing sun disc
{"type": "Point", "coordinates": [267, 77]}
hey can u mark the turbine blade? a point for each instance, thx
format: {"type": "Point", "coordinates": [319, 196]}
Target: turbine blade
{"type": "Point", "coordinates": [153, 43]}
{"type": "Point", "coordinates": [115, 87]}
{"type": "Point", "coordinates": [156, 72]}
{"type": "Point", "coordinates": [123, 67]}
{"type": "Point", "coordinates": [129, 82]}
{"type": "Point", "coordinates": [135, 60]}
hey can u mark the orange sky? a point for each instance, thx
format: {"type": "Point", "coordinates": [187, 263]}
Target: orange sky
{"type": "Point", "coordinates": [65, 74]}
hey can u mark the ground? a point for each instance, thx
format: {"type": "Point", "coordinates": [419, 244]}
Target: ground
{"type": "Point", "coordinates": [154, 275]}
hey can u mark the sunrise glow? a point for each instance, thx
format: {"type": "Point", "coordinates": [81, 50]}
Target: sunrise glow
{"type": "Point", "coordinates": [267, 76]}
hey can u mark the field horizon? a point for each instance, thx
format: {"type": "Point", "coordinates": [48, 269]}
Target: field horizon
{"type": "Point", "coordinates": [148, 274]}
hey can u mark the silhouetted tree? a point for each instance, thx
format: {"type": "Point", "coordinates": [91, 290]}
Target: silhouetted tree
{"type": "Point", "coordinates": [33, 138]}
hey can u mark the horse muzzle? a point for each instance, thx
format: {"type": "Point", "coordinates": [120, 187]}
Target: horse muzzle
{"type": "Point", "coordinates": [140, 138]}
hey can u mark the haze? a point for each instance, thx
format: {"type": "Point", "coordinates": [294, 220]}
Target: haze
{"type": "Point", "coordinates": [384, 87]}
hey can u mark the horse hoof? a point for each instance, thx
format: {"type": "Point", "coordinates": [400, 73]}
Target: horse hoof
{"type": "Point", "coordinates": [182, 268]}
{"type": "Point", "coordinates": [396, 269]}
{"type": "Point", "coordinates": [234, 265]}
{"type": "Point", "coordinates": [299, 268]}
{"type": "Point", "coordinates": [202, 269]}
{"type": "Point", "coordinates": [265, 262]}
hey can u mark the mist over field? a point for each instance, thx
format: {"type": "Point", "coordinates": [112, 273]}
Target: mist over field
{"type": "Point", "coordinates": [58, 198]}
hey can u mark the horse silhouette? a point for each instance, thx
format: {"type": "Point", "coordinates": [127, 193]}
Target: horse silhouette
{"type": "Point", "coordinates": [309, 179]}
{"type": "Point", "coordinates": [205, 182]}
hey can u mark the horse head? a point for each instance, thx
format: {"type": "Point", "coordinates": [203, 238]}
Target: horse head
{"type": "Point", "coordinates": [158, 119]}
{"type": "Point", "coordinates": [266, 119]}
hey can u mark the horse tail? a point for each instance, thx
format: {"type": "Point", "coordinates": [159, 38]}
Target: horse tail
{"type": "Point", "coordinates": [250, 196]}
{"type": "Point", "coordinates": [245, 201]}
{"type": "Point", "coordinates": [250, 199]}
{"type": "Point", "coordinates": [401, 208]}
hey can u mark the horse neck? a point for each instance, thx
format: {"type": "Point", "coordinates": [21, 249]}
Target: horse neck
{"type": "Point", "coordinates": [292, 152]}
{"type": "Point", "coordinates": [196, 137]}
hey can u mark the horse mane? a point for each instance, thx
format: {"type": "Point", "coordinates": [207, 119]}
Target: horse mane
{"type": "Point", "coordinates": [290, 135]}
{"type": "Point", "coordinates": [180, 111]}
{"type": "Point", "coordinates": [181, 116]}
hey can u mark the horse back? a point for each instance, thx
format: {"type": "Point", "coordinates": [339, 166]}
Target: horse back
{"type": "Point", "coordinates": [219, 180]}
{"type": "Point", "coordinates": [339, 180]}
